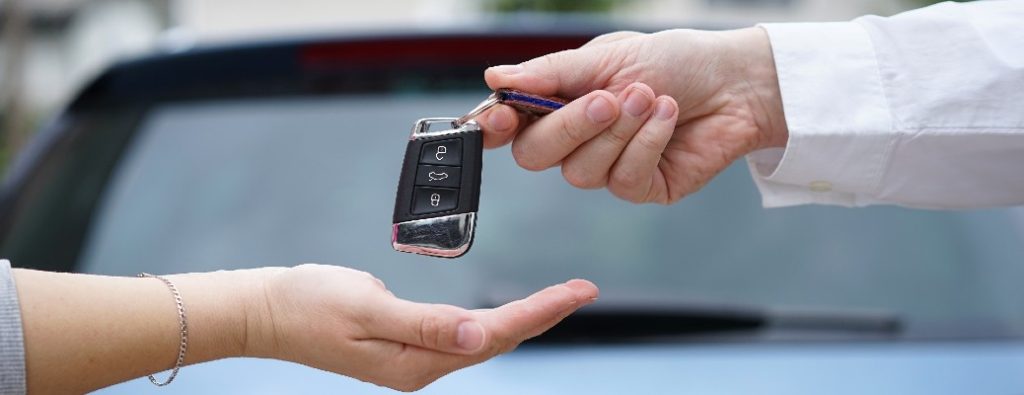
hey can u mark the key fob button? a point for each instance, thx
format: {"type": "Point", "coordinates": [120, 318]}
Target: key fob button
{"type": "Point", "coordinates": [431, 200]}
{"type": "Point", "coordinates": [438, 176]}
{"type": "Point", "coordinates": [444, 152]}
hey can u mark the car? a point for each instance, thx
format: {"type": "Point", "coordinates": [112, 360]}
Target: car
{"type": "Point", "coordinates": [282, 152]}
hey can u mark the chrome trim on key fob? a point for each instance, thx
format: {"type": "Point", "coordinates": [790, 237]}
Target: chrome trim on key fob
{"type": "Point", "coordinates": [449, 236]}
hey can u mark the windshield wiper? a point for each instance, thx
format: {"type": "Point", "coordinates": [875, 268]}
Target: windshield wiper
{"type": "Point", "coordinates": [611, 321]}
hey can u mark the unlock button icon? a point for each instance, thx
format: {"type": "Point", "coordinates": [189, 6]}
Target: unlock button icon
{"type": "Point", "coordinates": [443, 153]}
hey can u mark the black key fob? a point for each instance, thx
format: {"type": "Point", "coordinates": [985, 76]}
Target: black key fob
{"type": "Point", "coordinates": [439, 188]}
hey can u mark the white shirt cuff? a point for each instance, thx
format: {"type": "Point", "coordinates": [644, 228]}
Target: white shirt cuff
{"type": "Point", "coordinates": [837, 114]}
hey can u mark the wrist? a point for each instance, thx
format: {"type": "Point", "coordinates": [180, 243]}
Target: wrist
{"type": "Point", "coordinates": [754, 69]}
{"type": "Point", "coordinates": [223, 310]}
{"type": "Point", "coordinates": [261, 337]}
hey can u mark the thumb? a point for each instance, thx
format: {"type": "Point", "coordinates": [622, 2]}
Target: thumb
{"type": "Point", "coordinates": [568, 74]}
{"type": "Point", "coordinates": [433, 326]}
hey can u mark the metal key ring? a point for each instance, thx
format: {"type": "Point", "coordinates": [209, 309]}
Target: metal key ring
{"type": "Point", "coordinates": [489, 102]}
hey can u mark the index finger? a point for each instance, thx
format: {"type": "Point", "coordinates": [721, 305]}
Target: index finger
{"type": "Point", "coordinates": [570, 73]}
{"type": "Point", "coordinates": [500, 124]}
{"type": "Point", "coordinates": [507, 326]}
{"type": "Point", "coordinates": [526, 318]}
{"type": "Point", "coordinates": [548, 140]}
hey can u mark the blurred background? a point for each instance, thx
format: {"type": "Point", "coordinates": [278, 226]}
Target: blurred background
{"type": "Point", "coordinates": [169, 136]}
{"type": "Point", "coordinates": [50, 48]}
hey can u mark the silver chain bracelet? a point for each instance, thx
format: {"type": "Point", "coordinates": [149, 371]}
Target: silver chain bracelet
{"type": "Point", "coordinates": [184, 331]}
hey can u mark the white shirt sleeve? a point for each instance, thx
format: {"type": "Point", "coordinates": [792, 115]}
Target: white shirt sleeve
{"type": "Point", "coordinates": [923, 109]}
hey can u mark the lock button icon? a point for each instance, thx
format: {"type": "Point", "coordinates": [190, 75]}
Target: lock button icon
{"type": "Point", "coordinates": [431, 200]}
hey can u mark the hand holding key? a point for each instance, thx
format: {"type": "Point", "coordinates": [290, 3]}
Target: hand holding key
{"type": "Point", "coordinates": [655, 116]}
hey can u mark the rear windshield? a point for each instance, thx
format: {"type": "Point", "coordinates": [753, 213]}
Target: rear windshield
{"type": "Point", "coordinates": [232, 184]}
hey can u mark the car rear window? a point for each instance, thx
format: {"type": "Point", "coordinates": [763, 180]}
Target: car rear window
{"type": "Point", "coordinates": [230, 184]}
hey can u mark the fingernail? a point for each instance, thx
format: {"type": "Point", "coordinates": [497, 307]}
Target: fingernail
{"type": "Point", "coordinates": [600, 110]}
{"type": "Point", "coordinates": [636, 102]}
{"type": "Point", "coordinates": [664, 110]}
{"type": "Point", "coordinates": [508, 69]}
{"type": "Point", "coordinates": [470, 336]}
{"type": "Point", "coordinates": [579, 284]}
{"type": "Point", "coordinates": [498, 120]}
{"type": "Point", "coordinates": [585, 289]}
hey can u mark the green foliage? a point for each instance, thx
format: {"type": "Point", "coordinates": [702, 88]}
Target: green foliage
{"type": "Point", "coordinates": [595, 6]}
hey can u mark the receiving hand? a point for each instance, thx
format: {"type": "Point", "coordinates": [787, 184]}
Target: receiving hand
{"type": "Point", "coordinates": [347, 322]}
{"type": "Point", "coordinates": [719, 100]}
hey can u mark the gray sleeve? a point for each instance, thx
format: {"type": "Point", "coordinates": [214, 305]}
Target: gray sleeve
{"type": "Point", "coordinates": [12, 343]}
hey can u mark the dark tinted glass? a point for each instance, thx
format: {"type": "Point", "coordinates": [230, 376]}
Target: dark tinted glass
{"type": "Point", "coordinates": [228, 184]}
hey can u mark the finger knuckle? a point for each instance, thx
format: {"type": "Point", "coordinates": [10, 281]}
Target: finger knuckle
{"type": "Point", "coordinates": [648, 141]}
{"type": "Point", "coordinates": [613, 36]}
{"type": "Point", "coordinates": [552, 60]}
{"type": "Point", "coordinates": [572, 132]}
{"type": "Point", "coordinates": [664, 196]}
{"type": "Point", "coordinates": [618, 136]}
{"type": "Point", "coordinates": [650, 195]}
{"type": "Point", "coordinates": [524, 157]}
{"type": "Point", "coordinates": [581, 177]}
{"type": "Point", "coordinates": [604, 38]}
{"type": "Point", "coordinates": [624, 179]}
{"type": "Point", "coordinates": [431, 327]}
{"type": "Point", "coordinates": [550, 64]}
{"type": "Point", "coordinates": [675, 194]}
{"type": "Point", "coordinates": [630, 194]}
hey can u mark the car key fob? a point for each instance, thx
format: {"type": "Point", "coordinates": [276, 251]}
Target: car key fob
{"type": "Point", "coordinates": [439, 188]}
